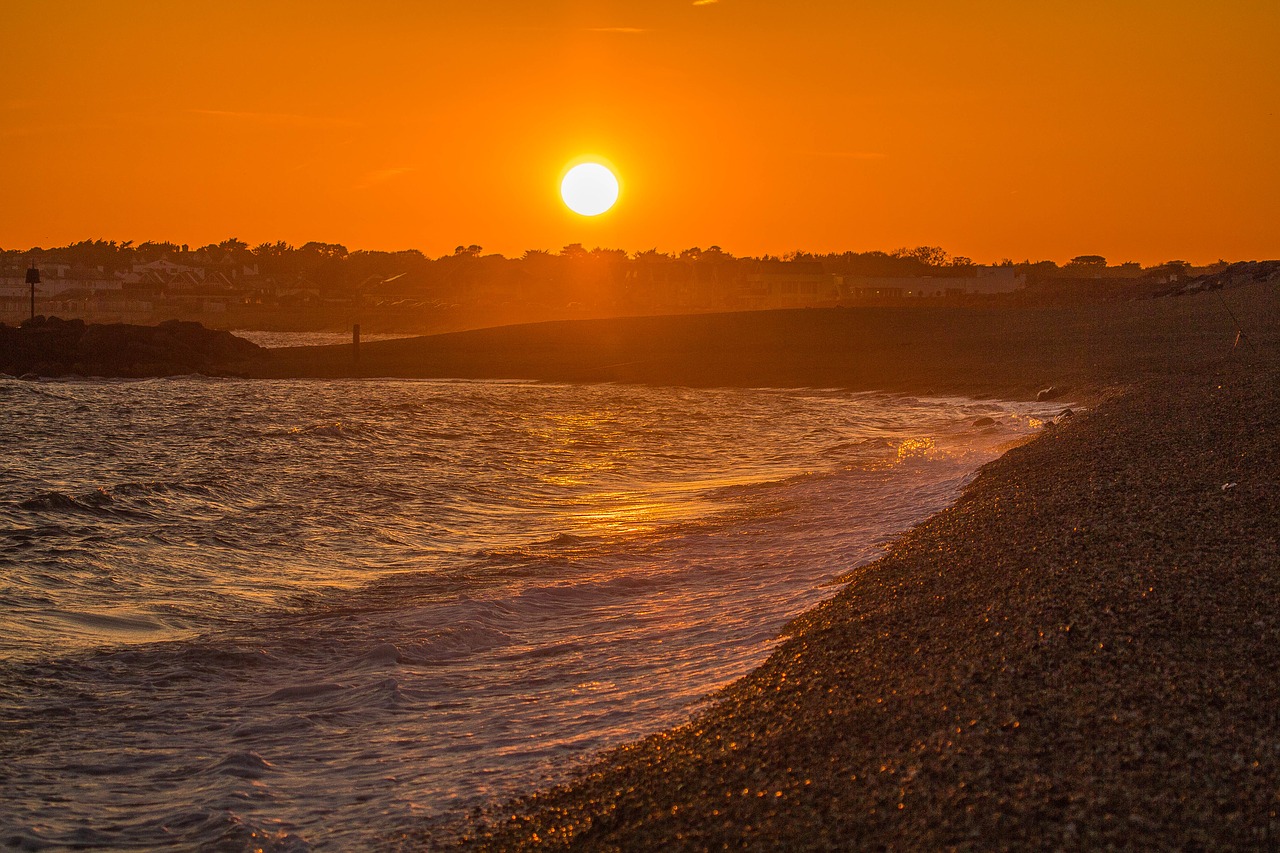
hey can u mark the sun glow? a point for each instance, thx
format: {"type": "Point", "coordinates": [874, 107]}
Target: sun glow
{"type": "Point", "coordinates": [589, 189]}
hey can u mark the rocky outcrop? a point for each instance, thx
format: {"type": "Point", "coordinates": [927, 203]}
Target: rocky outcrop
{"type": "Point", "coordinates": [49, 346]}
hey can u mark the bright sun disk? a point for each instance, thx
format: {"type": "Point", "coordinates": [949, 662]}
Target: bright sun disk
{"type": "Point", "coordinates": [589, 189]}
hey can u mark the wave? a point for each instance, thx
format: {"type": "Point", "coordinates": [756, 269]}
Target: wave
{"type": "Point", "coordinates": [112, 621]}
{"type": "Point", "coordinates": [161, 487]}
{"type": "Point", "coordinates": [465, 582]}
{"type": "Point", "coordinates": [128, 500]}
{"type": "Point", "coordinates": [15, 389]}
{"type": "Point", "coordinates": [554, 549]}
{"type": "Point", "coordinates": [98, 502]}
{"type": "Point", "coordinates": [336, 429]}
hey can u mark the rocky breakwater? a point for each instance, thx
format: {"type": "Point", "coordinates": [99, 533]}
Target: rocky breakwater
{"type": "Point", "coordinates": [54, 347]}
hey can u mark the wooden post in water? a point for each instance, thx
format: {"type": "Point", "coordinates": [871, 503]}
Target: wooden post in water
{"type": "Point", "coordinates": [355, 347]}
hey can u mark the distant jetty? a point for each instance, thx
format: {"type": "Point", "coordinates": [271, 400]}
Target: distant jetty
{"type": "Point", "coordinates": [51, 347]}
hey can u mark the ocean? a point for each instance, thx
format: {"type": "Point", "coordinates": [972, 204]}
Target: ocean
{"type": "Point", "coordinates": [310, 615]}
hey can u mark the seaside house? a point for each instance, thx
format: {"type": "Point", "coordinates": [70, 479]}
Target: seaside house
{"type": "Point", "coordinates": [976, 281]}
{"type": "Point", "coordinates": [788, 284]}
{"type": "Point", "coordinates": [63, 291]}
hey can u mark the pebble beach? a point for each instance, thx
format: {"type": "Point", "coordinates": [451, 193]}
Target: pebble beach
{"type": "Point", "coordinates": [1079, 654]}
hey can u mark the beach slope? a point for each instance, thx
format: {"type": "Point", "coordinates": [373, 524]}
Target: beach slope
{"type": "Point", "coordinates": [1080, 653]}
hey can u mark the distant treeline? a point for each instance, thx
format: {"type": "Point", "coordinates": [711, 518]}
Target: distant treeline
{"type": "Point", "coordinates": [332, 267]}
{"type": "Point", "coordinates": [233, 285]}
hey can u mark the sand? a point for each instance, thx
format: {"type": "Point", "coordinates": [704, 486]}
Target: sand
{"type": "Point", "coordinates": [1081, 653]}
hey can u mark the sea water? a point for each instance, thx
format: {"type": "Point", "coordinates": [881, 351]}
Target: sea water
{"type": "Point", "coordinates": [312, 614]}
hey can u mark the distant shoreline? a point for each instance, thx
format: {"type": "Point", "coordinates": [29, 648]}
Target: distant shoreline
{"type": "Point", "coordinates": [1008, 352]}
{"type": "Point", "coordinates": [1013, 353]}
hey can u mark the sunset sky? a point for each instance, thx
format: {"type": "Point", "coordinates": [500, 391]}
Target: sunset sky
{"type": "Point", "coordinates": [1142, 131]}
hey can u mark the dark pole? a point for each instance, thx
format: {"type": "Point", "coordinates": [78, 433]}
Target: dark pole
{"type": "Point", "coordinates": [1240, 335]}
{"type": "Point", "coordinates": [355, 333]}
{"type": "Point", "coordinates": [33, 278]}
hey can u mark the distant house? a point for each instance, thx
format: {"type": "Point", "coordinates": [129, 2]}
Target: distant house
{"type": "Point", "coordinates": [57, 287]}
{"type": "Point", "coordinates": [995, 280]}
{"type": "Point", "coordinates": [60, 292]}
{"type": "Point", "coordinates": [788, 284]}
{"type": "Point", "coordinates": [15, 299]}
{"type": "Point", "coordinates": [987, 280]}
{"type": "Point", "coordinates": [164, 267]}
{"type": "Point", "coordinates": [18, 272]}
{"type": "Point", "coordinates": [56, 279]}
{"type": "Point", "coordinates": [102, 306]}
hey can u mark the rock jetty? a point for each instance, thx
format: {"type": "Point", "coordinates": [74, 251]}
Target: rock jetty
{"type": "Point", "coordinates": [51, 347]}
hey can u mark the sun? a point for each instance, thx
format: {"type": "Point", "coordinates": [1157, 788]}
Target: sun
{"type": "Point", "coordinates": [589, 189]}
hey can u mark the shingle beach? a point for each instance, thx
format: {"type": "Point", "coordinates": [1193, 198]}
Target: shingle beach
{"type": "Point", "coordinates": [1082, 653]}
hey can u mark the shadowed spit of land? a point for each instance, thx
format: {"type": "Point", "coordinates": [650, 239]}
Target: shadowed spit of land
{"type": "Point", "coordinates": [1006, 352]}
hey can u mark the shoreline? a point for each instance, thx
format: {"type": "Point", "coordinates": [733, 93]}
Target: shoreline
{"type": "Point", "coordinates": [1010, 353]}
{"type": "Point", "coordinates": [1078, 653]}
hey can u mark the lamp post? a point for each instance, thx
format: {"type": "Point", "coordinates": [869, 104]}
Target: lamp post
{"type": "Point", "coordinates": [33, 278]}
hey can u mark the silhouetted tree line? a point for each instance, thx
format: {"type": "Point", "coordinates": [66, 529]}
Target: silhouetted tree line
{"type": "Point", "coordinates": [571, 275]}
{"type": "Point", "coordinates": [110, 256]}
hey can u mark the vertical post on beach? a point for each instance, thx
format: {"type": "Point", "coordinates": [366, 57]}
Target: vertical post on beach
{"type": "Point", "coordinates": [355, 345]}
{"type": "Point", "coordinates": [1240, 335]}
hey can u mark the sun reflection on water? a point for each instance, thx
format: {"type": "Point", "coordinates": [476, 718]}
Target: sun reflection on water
{"type": "Point", "coordinates": [916, 447]}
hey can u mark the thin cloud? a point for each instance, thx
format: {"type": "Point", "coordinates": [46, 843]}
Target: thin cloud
{"type": "Point", "coordinates": [705, 2]}
{"type": "Point", "coordinates": [287, 119]}
{"type": "Point", "coordinates": [382, 176]}
{"type": "Point", "coordinates": [627, 31]}
{"type": "Point", "coordinates": [846, 155]}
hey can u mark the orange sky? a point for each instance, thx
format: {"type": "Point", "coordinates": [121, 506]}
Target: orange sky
{"type": "Point", "coordinates": [1138, 130]}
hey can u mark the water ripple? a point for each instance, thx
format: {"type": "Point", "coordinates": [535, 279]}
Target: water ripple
{"type": "Point", "coordinates": [298, 615]}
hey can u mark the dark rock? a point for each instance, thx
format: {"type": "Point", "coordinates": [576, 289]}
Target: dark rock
{"type": "Point", "coordinates": [984, 421]}
{"type": "Point", "coordinates": [49, 344]}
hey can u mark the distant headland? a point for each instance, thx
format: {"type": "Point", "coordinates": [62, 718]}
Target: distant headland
{"type": "Point", "coordinates": [1007, 350]}
{"type": "Point", "coordinates": [326, 287]}
{"type": "Point", "coordinates": [53, 347]}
